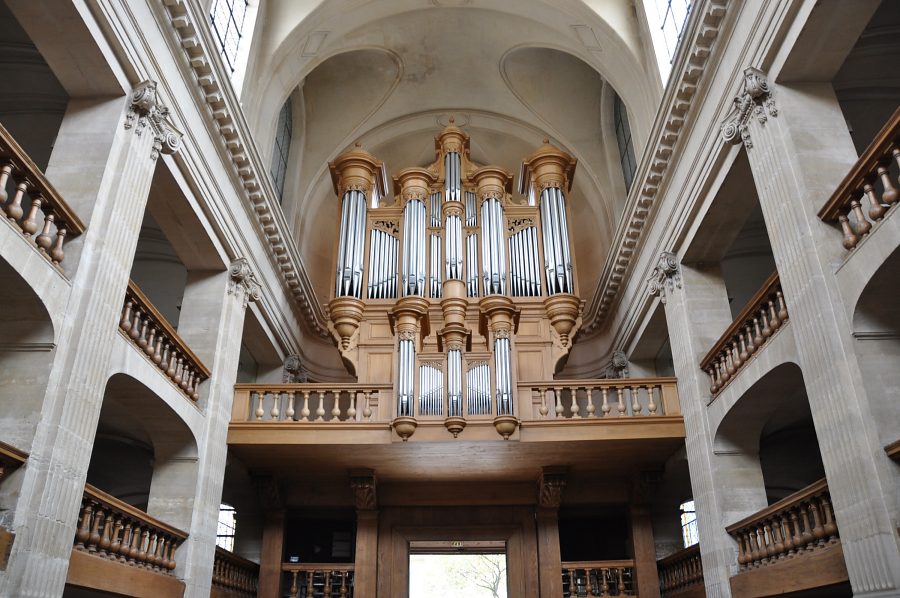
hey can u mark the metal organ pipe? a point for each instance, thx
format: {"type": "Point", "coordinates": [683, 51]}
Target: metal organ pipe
{"type": "Point", "coordinates": [557, 256]}
{"type": "Point", "coordinates": [351, 238]}
{"type": "Point", "coordinates": [452, 177]}
{"type": "Point", "coordinates": [492, 246]}
{"type": "Point", "coordinates": [406, 382]}
{"type": "Point", "coordinates": [504, 375]}
{"type": "Point", "coordinates": [414, 248]}
{"type": "Point", "coordinates": [454, 383]}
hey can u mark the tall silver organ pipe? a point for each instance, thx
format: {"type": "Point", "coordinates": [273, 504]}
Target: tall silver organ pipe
{"type": "Point", "coordinates": [383, 248]}
{"type": "Point", "coordinates": [472, 265]}
{"type": "Point", "coordinates": [471, 209]}
{"type": "Point", "coordinates": [493, 253]}
{"type": "Point", "coordinates": [434, 271]}
{"type": "Point", "coordinates": [348, 282]}
{"type": "Point", "coordinates": [557, 258]}
{"type": "Point", "coordinates": [414, 248]}
{"type": "Point", "coordinates": [452, 177]}
{"type": "Point", "coordinates": [504, 376]}
{"type": "Point", "coordinates": [453, 247]}
{"type": "Point", "coordinates": [454, 383]}
{"type": "Point", "coordinates": [434, 207]}
{"type": "Point", "coordinates": [406, 381]}
{"type": "Point", "coordinates": [524, 270]}
{"type": "Point", "coordinates": [478, 388]}
{"type": "Point", "coordinates": [431, 389]}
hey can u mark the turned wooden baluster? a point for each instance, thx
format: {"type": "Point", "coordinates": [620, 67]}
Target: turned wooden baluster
{"type": "Point", "coordinates": [94, 538]}
{"type": "Point", "coordinates": [818, 530]}
{"type": "Point", "coordinates": [44, 241]}
{"type": "Point", "coordinates": [806, 536]}
{"type": "Point", "coordinates": [735, 355]}
{"type": "Point", "coordinates": [850, 238]}
{"type": "Point", "coordinates": [744, 353]}
{"type": "Point", "coordinates": [353, 395]}
{"type": "Point", "coordinates": [275, 413]}
{"type": "Point", "coordinates": [863, 226]}
{"type": "Point", "coordinates": [619, 574]}
{"type": "Point", "coordinates": [590, 399]}
{"type": "Point", "coordinates": [831, 530]}
{"type": "Point", "coordinates": [13, 209]}
{"type": "Point", "coordinates": [308, 591]}
{"type": "Point", "coordinates": [295, 587]}
{"type": "Point", "coordinates": [604, 407]}
{"type": "Point", "coordinates": [620, 406]}
{"type": "Point", "coordinates": [343, 584]}
{"type": "Point", "coordinates": [260, 412]}
{"type": "Point", "coordinates": [890, 194]}
{"type": "Point", "coordinates": [289, 412]}
{"type": "Point", "coordinates": [57, 254]}
{"type": "Point", "coordinates": [651, 401]}
{"type": "Point", "coordinates": [367, 412]}
{"type": "Point", "coordinates": [876, 210]}
{"type": "Point", "coordinates": [636, 408]}
{"type": "Point", "coordinates": [336, 410]}
{"type": "Point", "coordinates": [543, 410]}
{"type": "Point", "coordinates": [320, 410]}
{"type": "Point", "coordinates": [575, 408]}
{"type": "Point", "coordinates": [84, 529]}
{"type": "Point", "coordinates": [604, 585]}
{"type": "Point", "coordinates": [559, 406]}
{"type": "Point", "coordinates": [327, 593]}
{"type": "Point", "coordinates": [304, 412]}
{"type": "Point", "coordinates": [5, 171]}
{"type": "Point", "coordinates": [125, 548]}
{"type": "Point", "coordinates": [713, 385]}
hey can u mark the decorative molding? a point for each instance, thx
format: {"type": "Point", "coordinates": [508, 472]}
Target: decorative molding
{"type": "Point", "coordinates": [227, 118]}
{"type": "Point", "coordinates": [242, 280]}
{"type": "Point", "coordinates": [690, 64]}
{"type": "Point", "coordinates": [293, 371]}
{"type": "Point", "coordinates": [363, 484]}
{"type": "Point", "coordinates": [666, 274]}
{"type": "Point", "coordinates": [618, 365]}
{"type": "Point", "coordinates": [754, 100]}
{"type": "Point", "coordinates": [146, 111]}
{"type": "Point", "coordinates": [550, 487]}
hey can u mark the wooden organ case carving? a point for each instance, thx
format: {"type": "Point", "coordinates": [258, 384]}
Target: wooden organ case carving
{"type": "Point", "coordinates": [456, 293]}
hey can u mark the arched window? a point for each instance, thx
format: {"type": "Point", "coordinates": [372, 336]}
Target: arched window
{"type": "Point", "coordinates": [227, 18]}
{"type": "Point", "coordinates": [623, 139]}
{"type": "Point", "coordinates": [689, 533]}
{"type": "Point", "coordinates": [226, 527]}
{"type": "Point", "coordinates": [282, 148]}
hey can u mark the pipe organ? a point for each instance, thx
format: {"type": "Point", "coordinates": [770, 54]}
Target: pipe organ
{"type": "Point", "coordinates": [456, 291]}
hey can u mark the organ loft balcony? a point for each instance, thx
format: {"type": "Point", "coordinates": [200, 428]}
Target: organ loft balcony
{"type": "Point", "coordinates": [455, 306]}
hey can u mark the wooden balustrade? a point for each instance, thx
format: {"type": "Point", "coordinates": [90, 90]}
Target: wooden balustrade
{"type": "Point", "coordinates": [115, 530]}
{"type": "Point", "coordinates": [604, 398]}
{"type": "Point", "coordinates": [797, 524]}
{"type": "Point", "coordinates": [151, 333]}
{"type": "Point", "coordinates": [234, 575]}
{"type": "Point", "coordinates": [11, 459]}
{"type": "Point", "coordinates": [680, 570]}
{"type": "Point", "coordinates": [31, 203]}
{"type": "Point", "coordinates": [765, 313]}
{"type": "Point", "coordinates": [320, 580]}
{"type": "Point", "coordinates": [870, 178]}
{"type": "Point", "coordinates": [598, 578]}
{"type": "Point", "coordinates": [330, 403]}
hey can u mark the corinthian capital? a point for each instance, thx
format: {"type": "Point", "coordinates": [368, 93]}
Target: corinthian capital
{"type": "Point", "coordinates": [146, 111]}
{"type": "Point", "coordinates": [754, 100]}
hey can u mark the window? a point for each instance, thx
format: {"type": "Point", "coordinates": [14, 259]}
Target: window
{"type": "Point", "coordinates": [225, 528]}
{"type": "Point", "coordinates": [282, 148]}
{"type": "Point", "coordinates": [227, 18]}
{"type": "Point", "coordinates": [689, 533]}
{"type": "Point", "coordinates": [623, 139]}
{"type": "Point", "coordinates": [673, 15]}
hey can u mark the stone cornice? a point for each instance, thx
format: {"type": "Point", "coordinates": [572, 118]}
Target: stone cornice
{"type": "Point", "coordinates": [228, 119]}
{"type": "Point", "coordinates": [690, 63]}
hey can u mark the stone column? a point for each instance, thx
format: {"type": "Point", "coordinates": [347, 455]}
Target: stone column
{"type": "Point", "coordinates": [211, 323]}
{"type": "Point", "coordinates": [697, 312]}
{"type": "Point", "coordinates": [366, 558]}
{"type": "Point", "coordinates": [799, 149]}
{"type": "Point", "coordinates": [550, 489]}
{"type": "Point", "coordinates": [48, 506]}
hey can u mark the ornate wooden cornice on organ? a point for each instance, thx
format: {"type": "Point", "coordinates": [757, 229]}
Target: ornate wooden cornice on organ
{"type": "Point", "coordinates": [456, 292]}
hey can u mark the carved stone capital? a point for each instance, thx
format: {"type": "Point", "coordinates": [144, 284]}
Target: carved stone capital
{"type": "Point", "coordinates": [666, 274]}
{"type": "Point", "coordinates": [243, 281]}
{"type": "Point", "coordinates": [146, 111]}
{"type": "Point", "coordinates": [362, 482]}
{"type": "Point", "coordinates": [754, 100]}
{"type": "Point", "coordinates": [550, 487]}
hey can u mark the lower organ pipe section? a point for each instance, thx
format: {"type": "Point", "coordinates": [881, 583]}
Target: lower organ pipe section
{"type": "Point", "coordinates": [504, 376]}
{"type": "Point", "coordinates": [406, 381]}
{"type": "Point", "coordinates": [431, 389]}
{"type": "Point", "coordinates": [350, 249]}
{"type": "Point", "coordinates": [478, 388]}
{"type": "Point", "coordinates": [414, 248]}
{"type": "Point", "coordinates": [557, 258]}
{"type": "Point", "coordinates": [493, 254]}
{"type": "Point", "coordinates": [383, 249]}
{"type": "Point", "coordinates": [454, 383]}
{"type": "Point", "coordinates": [524, 271]}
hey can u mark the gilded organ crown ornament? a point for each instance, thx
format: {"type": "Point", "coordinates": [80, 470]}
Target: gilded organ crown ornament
{"type": "Point", "coordinates": [431, 289]}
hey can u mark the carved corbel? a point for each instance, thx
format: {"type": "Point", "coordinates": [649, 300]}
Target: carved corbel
{"type": "Point", "coordinates": [754, 100]}
{"type": "Point", "coordinates": [666, 275]}
{"type": "Point", "coordinates": [243, 281]}
{"type": "Point", "coordinates": [146, 111]}
{"type": "Point", "coordinates": [268, 491]}
{"type": "Point", "coordinates": [363, 484]}
{"type": "Point", "coordinates": [551, 486]}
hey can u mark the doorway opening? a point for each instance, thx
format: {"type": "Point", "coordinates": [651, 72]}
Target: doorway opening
{"type": "Point", "coordinates": [457, 569]}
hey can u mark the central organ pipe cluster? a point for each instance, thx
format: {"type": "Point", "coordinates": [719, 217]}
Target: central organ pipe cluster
{"type": "Point", "coordinates": [447, 263]}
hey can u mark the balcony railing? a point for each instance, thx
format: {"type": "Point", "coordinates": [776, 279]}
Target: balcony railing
{"type": "Point", "coordinates": [234, 576]}
{"type": "Point", "coordinates": [152, 334]}
{"type": "Point", "coordinates": [606, 398]}
{"type": "Point", "coordinates": [320, 580]}
{"type": "Point", "coordinates": [31, 203]}
{"type": "Point", "coordinates": [797, 524]}
{"type": "Point", "coordinates": [764, 314]}
{"type": "Point", "coordinates": [870, 179]}
{"type": "Point", "coordinates": [598, 578]}
{"type": "Point", "coordinates": [329, 403]}
{"type": "Point", "coordinates": [680, 571]}
{"type": "Point", "coordinates": [11, 459]}
{"type": "Point", "coordinates": [120, 532]}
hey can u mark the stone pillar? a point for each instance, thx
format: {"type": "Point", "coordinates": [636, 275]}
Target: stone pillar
{"type": "Point", "coordinates": [552, 483]}
{"type": "Point", "coordinates": [211, 323]}
{"type": "Point", "coordinates": [799, 149]}
{"type": "Point", "coordinates": [697, 312]}
{"type": "Point", "coordinates": [48, 506]}
{"type": "Point", "coordinates": [366, 560]}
